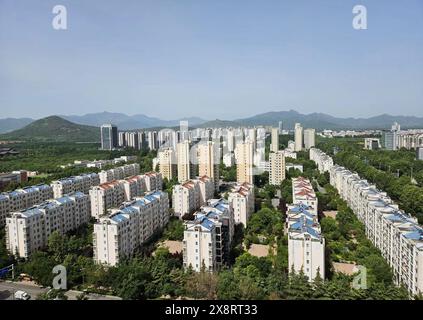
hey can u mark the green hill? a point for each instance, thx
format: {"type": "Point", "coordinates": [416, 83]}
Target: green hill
{"type": "Point", "coordinates": [54, 128]}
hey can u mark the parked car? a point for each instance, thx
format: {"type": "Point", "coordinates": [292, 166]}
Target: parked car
{"type": "Point", "coordinates": [22, 295]}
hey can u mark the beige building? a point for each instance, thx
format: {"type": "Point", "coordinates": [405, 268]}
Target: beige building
{"type": "Point", "coordinates": [167, 163]}
{"type": "Point", "coordinates": [119, 235]}
{"type": "Point", "coordinates": [208, 161]}
{"type": "Point", "coordinates": [298, 134]}
{"type": "Point", "coordinates": [309, 138]}
{"type": "Point", "coordinates": [276, 168]}
{"type": "Point", "coordinates": [28, 230]}
{"type": "Point", "coordinates": [184, 163]}
{"type": "Point", "coordinates": [244, 158]}
{"type": "Point", "coordinates": [191, 195]}
{"type": "Point", "coordinates": [241, 199]}
{"type": "Point", "coordinates": [274, 145]}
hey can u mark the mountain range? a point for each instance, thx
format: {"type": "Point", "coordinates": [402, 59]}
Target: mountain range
{"type": "Point", "coordinates": [289, 118]}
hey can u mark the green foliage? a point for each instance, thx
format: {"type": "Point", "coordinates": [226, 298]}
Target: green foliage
{"type": "Point", "coordinates": [228, 174]}
{"type": "Point", "coordinates": [264, 224]}
{"type": "Point", "coordinates": [55, 128]}
{"type": "Point", "coordinates": [174, 230]}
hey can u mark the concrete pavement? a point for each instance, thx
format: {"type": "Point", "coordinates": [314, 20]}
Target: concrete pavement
{"type": "Point", "coordinates": [8, 288]}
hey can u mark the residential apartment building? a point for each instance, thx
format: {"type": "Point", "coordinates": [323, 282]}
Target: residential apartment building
{"type": "Point", "coordinates": [184, 163]}
{"type": "Point", "coordinates": [167, 163]}
{"type": "Point", "coordinates": [303, 193]}
{"type": "Point", "coordinates": [81, 183]}
{"type": "Point", "coordinates": [298, 134]}
{"type": "Point", "coordinates": [207, 239]}
{"type": "Point", "coordinates": [241, 199]}
{"type": "Point", "coordinates": [119, 172]}
{"type": "Point", "coordinates": [191, 195]}
{"type": "Point", "coordinates": [20, 199]}
{"type": "Point", "coordinates": [274, 145]}
{"type": "Point", "coordinates": [323, 161]}
{"type": "Point", "coordinates": [28, 230]}
{"type": "Point", "coordinates": [306, 245]}
{"type": "Point", "coordinates": [119, 235]}
{"type": "Point", "coordinates": [277, 167]}
{"type": "Point", "coordinates": [309, 138]}
{"type": "Point", "coordinates": [244, 158]}
{"type": "Point", "coordinates": [395, 233]}
{"type": "Point", "coordinates": [209, 161]}
{"type": "Point", "coordinates": [153, 181]}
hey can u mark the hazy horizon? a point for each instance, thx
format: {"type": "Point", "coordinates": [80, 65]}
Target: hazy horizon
{"type": "Point", "coordinates": [213, 60]}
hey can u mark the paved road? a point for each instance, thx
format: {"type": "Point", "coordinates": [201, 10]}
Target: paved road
{"type": "Point", "coordinates": [72, 294]}
{"type": "Point", "coordinates": [7, 290]}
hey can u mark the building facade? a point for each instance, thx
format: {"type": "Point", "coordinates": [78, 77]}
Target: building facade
{"type": "Point", "coordinates": [119, 235]}
{"type": "Point", "coordinates": [277, 168]}
{"type": "Point", "coordinates": [28, 230]}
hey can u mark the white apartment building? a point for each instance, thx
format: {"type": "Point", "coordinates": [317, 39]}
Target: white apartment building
{"type": "Point", "coordinates": [20, 199]}
{"type": "Point", "coordinates": [208, 237]}
{"type": "Point", "coordinates": [153, 181]}
{"type": "Point", "coordinates": [372, 143]}
{"type": "Point", "coordinates": [112, 194]}
{"type": "Point", "coordinates": [81, 183]}
{"type": "Point", "coordinates": [309, 138]}
{"type": "Point", "coordinates": [241, 199]}
{"type": "Point", "coordinates": [191, 195]}
{"type": "Point", "coordinates": [167, 163]}
{"type": "Point", "coordinates": [119, 173]}
{"type": "Point", "coordinates": [294, 166]}
{"type": "Point", "coordinates": [244, 158]}
{"type": "Point", "coordinates": [323, 161]}
{"type": "Point", "coordinates": [306, 245]}
{"type": "Point", "coordinates": [28, 230]}
{"type": "Point", "coordinates": [277, 167]}
{"type": "Point", "coordinates": [298, 134]}
{"type": "Point", "coordinates": [303, 193]}
{"type": "Point", "coordinates": [119, 235]}
{"type": "Point", "coordinates": [228, 159]}
{"type": "Point", "coordinates": [395, 233]}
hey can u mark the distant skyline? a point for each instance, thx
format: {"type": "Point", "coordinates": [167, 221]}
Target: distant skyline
{"type": "Point", "coordinates": [211, 59]}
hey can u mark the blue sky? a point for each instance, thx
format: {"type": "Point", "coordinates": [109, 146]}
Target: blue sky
{"type": "Point", "coordinates": [223, 59]}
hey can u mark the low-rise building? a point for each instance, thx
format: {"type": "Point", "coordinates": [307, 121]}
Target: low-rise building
{"type": "Point", "coordinates": [395, 233]}
{"type": "Point", "coordinates": [207, 239]}
{"type": "Point", "coordinates": [191, 195]}
{"type": "Point", "coordinates": [119, 172]}
{"type": "Point", "coordinates": [28, 230]}
{"type": "Point", "coordinates": [306, 245]}
{"type": "Point", "coordinates": [20, 199]}
{"type": "Point", "coordinates": [81, 183]}
{"type": "Point", "coordinates": [120, 234]}
{"type": "Point", "coordinates": [303, 193]}
{"type": "Point", "coordinates": [241, 199]}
